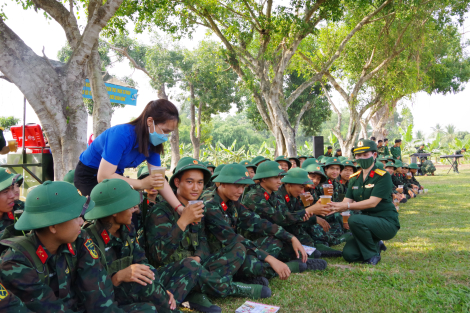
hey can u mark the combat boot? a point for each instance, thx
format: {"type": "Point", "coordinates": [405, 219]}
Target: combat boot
{"type": "Point", "coordinates": [251, 291]}
{"type": "Point", "coordinates": [316, 264]}
{"type": "Point", "coordinates": [260, 280]}
{"type": "Point", "coordinates": [200, 302]}
{"type": "Point", "coordinates": [297, 266]}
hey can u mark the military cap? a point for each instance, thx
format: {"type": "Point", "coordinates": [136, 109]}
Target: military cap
{"type": "Point", "coordinates": [349, 163]}
{"type": "Point", "coordinates": [268, 169]}
{"type": "Point", "coordinates": [209, 164]}
{"type": "Point", "coordinates": [414, 166]}
{"type": "Point", "coordinates": [297, 176]}
{"type": "Point", "coordinates": [380, 165]}
{"type": "Point", "coordinates": [405, 165]}
{"type": "Point", "coordinates": [311, 161]}
{"type": "Point", "coordinates": [69, 176]}
{"type": "Point", "coordinates": [334, 161]}
{"type": "Point", "coordinates": [143, 172]}
{"type": "Point", "coordinates": [398, 163]}
{"type": "Point", "coordinates": [364, 145]}
{"type": "Point", "coordinates": [234, 174]}
{"type": "Point", "coordinates": [7, 178]}
{"type": "Point", "coordinates": [283, 158]}
{"type": "Point", "coordinates": [302, 156]}
{"type": "Point", "coordinates": [258, 159]}
{"type": "Point", "coordinates": [217, 170]}
{"type": "Point", "coordinates": [184, 158]}
{"type": "Point", "coordinates": [390, 164]}
{"type": "Point", "coordinates": [247, 163]}
{"type": "Point", "coordinates": [190, 164]}
{"type": "Point", "coordinates": [52, 203]}
{"type": "Point", "coordinates": [314, 168]}
{"type": "Point", "coordinates": [112, 196]}
{"type": "Point", "coordinates": [19, 179]}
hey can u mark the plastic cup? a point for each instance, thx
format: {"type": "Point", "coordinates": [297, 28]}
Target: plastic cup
{"type": "Point", "coordinates": [194, 201]}
{"type": "Point", "coordinates": [345, 215]}
{"type": "Point", "coordinates": [400, 187]}
{"type": "Point", "coordinates": [12, 145]}
{"type": "Point", "coordinates": [420, 192]}
{"type": "Point", "coordinates": [158, 170]}
{"type": "Point", "coordinates": [425, 191]}
{"type": "Point", "coordinates": [303, 197]}
{"type": "Point", "coordinates": [325, 199]}
{"type": "Point", "coordinates": [328, 189]}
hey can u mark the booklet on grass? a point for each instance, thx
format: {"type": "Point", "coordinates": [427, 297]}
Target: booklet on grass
{"type": "Point", "coordinates": [253, 307]}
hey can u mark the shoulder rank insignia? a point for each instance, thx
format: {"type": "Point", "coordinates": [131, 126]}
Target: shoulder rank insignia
{"type": "Point", "coordinates": [355, 174]}
{"type": "Point", "coordinates": [90, 246]}
{"type": "Point", "coordinates": [380, 172]}
{"type": "Point", "coordinates": [41, 254]}
{"type": "Point", "coordinates": [3, 292]}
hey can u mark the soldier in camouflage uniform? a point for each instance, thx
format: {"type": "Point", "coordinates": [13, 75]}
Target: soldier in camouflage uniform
{"type": "Point", "coordinates": [211, 186]}
{"type": "Point", "coordinates": [171, 238]}
{"type": "Point", "coordinates": [348, 170]}
{"type": "Point", "coordinates": [151, 197]}
{"type": "Point", "coordinates": [7, 198]}
{"type": "Point", "coordinates": [134, 279]}
{"type": "Point", "coordinates": [413, 171]}
{"type": "Point", "coordinates": [380, 148]}
{"type": "Point", "coordinates": [56, 267]}
{"type": "Point", "coordinates": [10, 303]}
{"type": "Point", "coordinates": [284, 163]}
{"type": "Point", "coordinates": [19, 205]}
{"type": "Point", "coordinates": [226, 219]}
{"type": "Point", "coordinates": [251, 168]}
{"type": "Point", "coordinates": [272, 204]}
{"type": "Point", "coordinates": [427, 167]}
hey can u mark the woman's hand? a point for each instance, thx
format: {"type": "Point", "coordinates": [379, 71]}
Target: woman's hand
{"type": "Point", "coordinates": [154, 181]}
{"type": "Point", "coordinates": [318, 209]}
{"type": "Point", "coordinates": [136, 273]}
{"type": "Point", "coordinates": [338, 206]}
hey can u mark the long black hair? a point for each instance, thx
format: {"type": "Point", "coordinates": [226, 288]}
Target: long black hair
{"type": "Point", "coordinates": [161, 111]}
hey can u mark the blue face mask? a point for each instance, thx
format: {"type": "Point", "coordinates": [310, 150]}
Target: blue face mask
{"type": "Point", "coordinates": [156, 138]}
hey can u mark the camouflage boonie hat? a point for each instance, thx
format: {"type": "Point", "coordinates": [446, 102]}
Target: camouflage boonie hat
{"type": "Point", "coordinates": [297, 176]}
{"type": "Point", "coordinates": [217, 171]}
{"type": "Point", "coordinates": [390, 164]}
{"type": "Point", "coordinates": [52, 203]}
{"type": "Point", "coordinates": [349, 163]}
{"type": "Point", "coordinates": [268, 169]}
{"type": "Point", "coordinates": [69, 176]}
{"type": "Point", "coordinates": [258, 159]}
{"type": "Point", "coordinates": [334, 161]}
{"type": "Point", "coordinates": [234, 174]}
{"type": "Point", "coordinates": [190, 164]}
{"type": "Point", "coordinates": [7, 178]}
{"type": "Point", "coordinates": [414, 166]}
{"type": "Point", "coordinates": [364, 145]}
{"type": "Point", "coordinates": [283, 158]}
{"type": "Point", "coordinates": [112, 196]}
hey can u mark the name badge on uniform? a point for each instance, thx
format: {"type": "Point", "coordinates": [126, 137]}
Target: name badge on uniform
{"type": "Point", "coordinates": [355, 187]}
{"type": "Point", "coordinates": [370, 186]}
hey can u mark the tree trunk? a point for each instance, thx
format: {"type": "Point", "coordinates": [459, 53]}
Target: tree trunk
{"type": "Point", "coordinates": [102, 110]}
{"type": "Point", "coordinates": [194, 138]}
{"type": "Point", "coordinates": [363, 133]}
{"type": "Point", "coordinates": [380, 119]}
{"type": "Point", "coordinates": [175, 135]}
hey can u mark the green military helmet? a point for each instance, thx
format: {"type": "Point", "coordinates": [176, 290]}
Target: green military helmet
{"type": "Point", "coordinates": [268, 169]}
{"type": "Point", "coordinates": [311, 161]}
{"type": "Point", "coordinates": [364, 145]}
{"type": "Point", "coordinates": [353, 160]}
{"type": "Point", "coordinates": [315, 168]}
{"type": "Point", "coordinates": [390, 164]}
{"type": "Point", "coordinates": [184, 158]}
{"type": "Point", "coordinates": [334, 161]}
{"type": "Point", "coordinates": [405, 165]}
{"type": "Point", "coordinates": [296, 160]}
{"type": "Point", "coordinates": [234, 174]}
{"type": "Point", "coordinates": [217, 170]}
{"type": "Point", "coordinates": [7, 178]}
{"type": "Point", "coordinates": [69, 176]}
{"type": "Point", "coordinates": [311, 157]}
{"type": "Point", "coordinates": [52, 203]}
{"type": "Point", "coordinates": [247, 164]}
{"type": "Point", "coordinates": [209, 164]}
{"type": "Point", "coordinates": [389, 157]}
{"type": "Point", "coordinates": [258, 159]}
{"type": "Point", "coordinates": [143, 172]}
{"type": "Point", "coordinates": [384, 158]}
{"type": "Point", "coordinates": [297, 176]}
{"type": "Point", "coordinates": [19, 179]}
{"type": "Point", "coordinates": [190, 164]}
{"type": "Point", "coordinates": [283, 158]}
{"type": "Point", "coordinates": [380, 165]}
{"type": "Point", "coordinates": [349, 163]}
{"type": "Point", "coordinates": [342, 158]}
{"type": "Point", "coordinates": [302, 156]}
{"type": "Point", "coordinates": [413, 166]}
{"type": "Point", "coordinates": [112, 196]}
{"type": "Point", "coordinates": [398, 163]}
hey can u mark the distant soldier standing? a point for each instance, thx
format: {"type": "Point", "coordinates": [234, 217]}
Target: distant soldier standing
{"type": "Point", "coordinates": [396, 150]}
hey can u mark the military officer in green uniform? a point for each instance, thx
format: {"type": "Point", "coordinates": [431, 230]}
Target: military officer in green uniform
{"type": "Point", "coordinates": [7, 198]}
{"type": "Point", "coordinates": [56, 267]}
{"type": "Point", "coordinates": [369, 191]}
{"type": "Point", "coordinates": [396, 150]}
{"type": "Point", "coordinates": [386, 149]}
{"type": "Point", "coordinates": [19, 205]}
{"type": "Point", "coordinates": [329, 151]}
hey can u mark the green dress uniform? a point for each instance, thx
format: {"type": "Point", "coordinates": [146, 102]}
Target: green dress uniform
{"type": "Point", "coordinates": [374, 224]}
{"type": "Point", "coordinates": [386, 150]}
{"type": "Point", "coordinates": [396, 152]}
{"type": "Point", "coordinates": [72, 279]}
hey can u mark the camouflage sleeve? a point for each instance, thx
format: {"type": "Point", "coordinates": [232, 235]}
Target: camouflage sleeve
{"type": "Point", "coordinates": [252, 222]}
{"type": "Point", "coordinates": [163, 233]}
{"type": "Point", "coordinates": [21, 278]}
{"type": "Point", "coordinates": [280, 216]}
{"type": "Point", "coordinates": [216, 224]}
{"type": "Point", "coordinates": [138, 254]}
{"type": "Point", "coordinates": [93, 281]}
{"type": "Point", "coordinates": [9, 303]}
{"type": "Point", "coordinates": [203, 250]}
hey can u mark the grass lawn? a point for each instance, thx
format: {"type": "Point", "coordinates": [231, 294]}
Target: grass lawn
{"type": "Point", "coordinates": [425, 269]}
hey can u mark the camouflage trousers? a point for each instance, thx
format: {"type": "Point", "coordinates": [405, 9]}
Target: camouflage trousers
{"type": "Point", "coordinates": [253, 266]}
{"type": "Point", "coordinates": [333, 236]}
{"type": "Point", "coordinates": [217, 271]}
{"type": "Point", "coordinates": [427, 167]}
{"type": "Point", "coordinates": [178, 278]}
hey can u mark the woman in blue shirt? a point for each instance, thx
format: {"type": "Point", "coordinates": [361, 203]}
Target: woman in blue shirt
{"type": "Point", "coordinates": [128, 145]}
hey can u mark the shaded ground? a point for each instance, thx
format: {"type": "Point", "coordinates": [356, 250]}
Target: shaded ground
{"type": "Point", "coordinates": [425, 269]}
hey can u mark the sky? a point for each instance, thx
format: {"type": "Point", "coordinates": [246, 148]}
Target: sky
{"type": "Point", "coordinates": [428, 110]}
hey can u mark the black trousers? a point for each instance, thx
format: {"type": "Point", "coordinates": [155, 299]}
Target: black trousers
{"type": "Point", "coordinates": [86, 178]}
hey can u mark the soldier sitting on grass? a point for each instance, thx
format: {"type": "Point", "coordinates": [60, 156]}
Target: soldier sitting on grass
{"type": "Point", "coordinates": [134, 279]}
{"type": "Point", "coordinates": [170, 238]}
{"type": "Point", "coordinates": [56, 267]}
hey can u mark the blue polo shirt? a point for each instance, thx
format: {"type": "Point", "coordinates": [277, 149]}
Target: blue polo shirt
{"type": "Point", "coordinates": [118, 146]}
